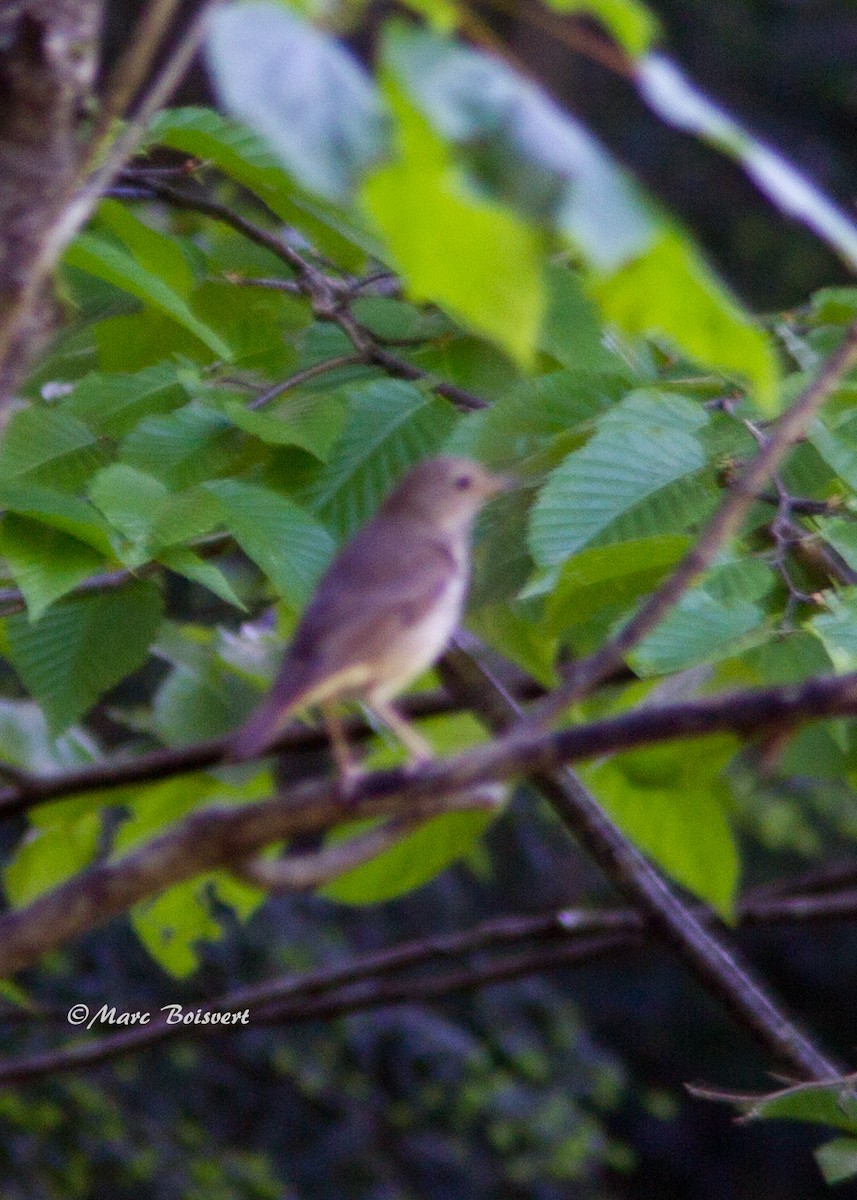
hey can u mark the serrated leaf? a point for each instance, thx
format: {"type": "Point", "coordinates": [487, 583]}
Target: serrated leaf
{"type": "Point", "coordinates": [307, 96]}
{"type": "Point", "coordinates": [113, 404]}
{"type": "Point", "coordinates": [671, 801]}
{"type": "Point", "coordinates": [46, 445]}
{"type": "Point", "coordinates": [389, 426]}
{"type": "Point", "coordinates": [601, 481]}
{"type": "Point", "coordinates": [200, 570]}
{"type": "Point", "coordinates": [284, 540]}
{"type": "Point", "coordinates": [700, 629]}
{"type": "Point", "coordinates": [45, 563]}
{"type": "Point", "coordinates": [59, 511]}
{"type": "Point", "coordinates": [82, 647]}
{"type": "Point", "coordinates": [183, 447]}
{"type": "Point", "coordinates": [490, 272]}
{"type": "Point", "coordinates": [183, 516]}
{"type": "Point", "coordinates": [311, 422]}
{"type": "Point", "coordinates": [128, 498]}
{"type": "Point", "coordinates": [93, 254]}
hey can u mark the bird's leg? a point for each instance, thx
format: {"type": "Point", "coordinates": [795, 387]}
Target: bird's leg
{"type": "Point", "coordinates": [345, 764]}
{"type": "Point", "coordinates": [419, 750]}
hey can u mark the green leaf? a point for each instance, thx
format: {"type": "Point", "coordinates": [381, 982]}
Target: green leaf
{"type": "Point", "coordinates": [183, 447]}
{"type": "Point", "coordinates": [48, 856]}
{"type": "Point", "coordinates": [837, 629]}
{"type": "Point", "coordinates": [834, 1105]}
{"type": "Point", "coordinates": [25, 741]}
{"type": "Point", "coordinates": [113, 404]}
{"type": "Point", "coordinates": [837, 1160]}
{"type": "Point", "coordinates": [522, 148]}
{"type": "Point", "coordinates": [45, 563]}
{"type": "Point", "coordinates": [73, 516]}
{"type": "Point", "coordinates": [128, 498]}
{"type": "Point", "coordinates": [310, 421]}
{"type": "Point", "coordinates": [172, 925]}
{"type": "Point", "coordinates": [307, 96]}
{"type": "Point", "coordinates": [93, 254]}
{"type": "Point", "coordinates": [243, 156]}
{"type": "Point", "coordinates": [389, 426]}
{"type": "Point", "coordinates": [200, 570]}
{"type": "Point", "coordinates": [609, 575]}
{"type": "Point", "coordinates": [156, 252]}
{"type": "Point", "coordinates": [711, 623]}
{"type": "Point", "coordinates": [838, 448]}
{"type": "Point", "coordinates": [571, 331]}
{"type": "Point", "coordinates": [82, 647]}
{"type": "Point", "coordinates": [631, 23]}
{"type": "Point", "coordinates": [182, 516]}
{"type": "Point", "coordinates": [46, 445]}
{"type": "Point", "coordinates": [672, 802]}
{"type": "Point", "coordinates": [601, 481]}
{"type": "Point", "coordinates": [669, 292]}
{"type": "Point", "coordinates": [285, 541]}
{"type": "Point", "coordinates": [489, 273]}
{"type": "Point", "coordinates": [412, 862]}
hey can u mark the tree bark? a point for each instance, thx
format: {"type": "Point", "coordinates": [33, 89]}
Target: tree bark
{"type": "Point", "coordinates": [48, 61]}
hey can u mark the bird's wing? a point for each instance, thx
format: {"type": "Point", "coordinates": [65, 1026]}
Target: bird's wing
{"type": "Point", "coordinates": [384, 580]}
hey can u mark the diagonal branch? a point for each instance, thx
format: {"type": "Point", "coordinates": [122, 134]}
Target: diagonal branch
{"type": "Point", "coordinates": [714, 964]}
{"type": "Point", "coordinates": [586, 674]}
{"type": "Point", "coordinates": [219, 837]}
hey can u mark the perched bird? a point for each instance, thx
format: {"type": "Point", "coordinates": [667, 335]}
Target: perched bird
{"type": "Point", "coordinates": [384, 611]}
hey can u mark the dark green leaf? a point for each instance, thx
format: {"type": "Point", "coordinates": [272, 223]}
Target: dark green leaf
{"type": "Point", "coordinates": [82, 647]}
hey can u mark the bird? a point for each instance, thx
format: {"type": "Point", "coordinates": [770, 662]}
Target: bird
{"type": "Point", "coordinates": [383, 612]}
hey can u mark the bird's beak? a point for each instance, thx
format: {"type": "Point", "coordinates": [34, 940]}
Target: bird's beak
{"type": "Point", "coordinates": [502, 483]}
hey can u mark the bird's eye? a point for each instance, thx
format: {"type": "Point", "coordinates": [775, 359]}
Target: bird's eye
{"type": "Point", "coordinates": [464, 482]}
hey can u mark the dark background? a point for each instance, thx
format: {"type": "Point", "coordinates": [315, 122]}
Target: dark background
{"type": "Point", "coordinates": [568, 1085]}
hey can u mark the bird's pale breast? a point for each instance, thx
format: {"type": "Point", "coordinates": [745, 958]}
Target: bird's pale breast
{"type": "Point", "coordinates": [416, 648]}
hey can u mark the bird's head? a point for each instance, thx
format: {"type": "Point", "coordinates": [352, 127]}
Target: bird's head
{"type": "Point", "coordinates": [446, 491]}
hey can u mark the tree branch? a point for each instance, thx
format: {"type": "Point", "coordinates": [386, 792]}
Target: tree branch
{"type": "Point", "coordinates": [219, 837]}
{"type": "Point", "coordinates": [586, 674]}
{"type": "Point", "coordinates": [330, 297]}
{"type": "Point", "coordinates": [715, 966]}
{"type": "Point", "coordinates": [561, 939]}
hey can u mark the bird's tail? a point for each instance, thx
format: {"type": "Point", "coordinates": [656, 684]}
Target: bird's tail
{"type": "Point", "coordinates": [266, 721]}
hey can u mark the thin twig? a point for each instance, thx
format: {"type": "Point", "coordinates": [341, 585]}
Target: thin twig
{"type": "Point", "coordinates": [563, 937]}
{"type": "Point", "coordinates": [586, 674]}
{"type": "Point", "coordinates": [133, 66]}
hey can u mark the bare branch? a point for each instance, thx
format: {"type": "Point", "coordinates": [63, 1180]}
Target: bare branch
{"type": "Point", "coordinates": [560, 939]}
{"type": "Point", "coordinates": [713, 963]}
{"type": "Point", "coordinates": [214, 837]}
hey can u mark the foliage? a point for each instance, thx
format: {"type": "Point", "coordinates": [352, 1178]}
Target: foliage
{"type": "Point", "coordinates": [213, 423]}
